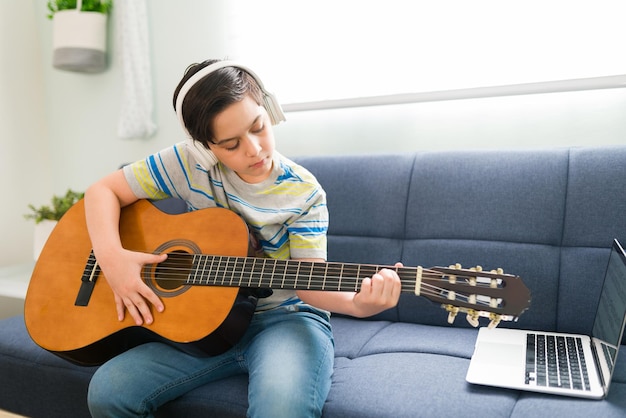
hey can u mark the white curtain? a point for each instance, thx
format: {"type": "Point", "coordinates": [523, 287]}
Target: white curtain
{"type": "Point", "coordinates": [133, 39]}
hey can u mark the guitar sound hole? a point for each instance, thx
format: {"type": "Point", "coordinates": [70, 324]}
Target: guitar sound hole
{"type": "Point", "coordinates": [172, 273]}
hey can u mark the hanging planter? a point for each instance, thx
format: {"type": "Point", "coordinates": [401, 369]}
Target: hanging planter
{"type": "Point", "coordinates": [79, 34]}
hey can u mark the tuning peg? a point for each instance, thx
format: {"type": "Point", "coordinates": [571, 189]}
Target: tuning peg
{"type": "Point", "coordinates": [472, 318]}
{"type": "Point", "coordinates": [453, 310]}
{"type": "Point", "coordinates": [494, 282]}
{"type": "Point", "coordinates": [495, 320]}
{"type": "Point", "coordinates": [451, 277]}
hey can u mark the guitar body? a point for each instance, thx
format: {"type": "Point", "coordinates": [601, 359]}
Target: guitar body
{"type": "Point", "coordinates": [84, 329]}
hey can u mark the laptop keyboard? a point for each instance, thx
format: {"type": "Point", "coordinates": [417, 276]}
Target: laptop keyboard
{"type": "Point", "coordinates": [555, 361]}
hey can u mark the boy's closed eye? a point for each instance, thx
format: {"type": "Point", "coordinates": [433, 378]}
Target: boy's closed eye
{"type": "Point", "coordinates": [231, 145]}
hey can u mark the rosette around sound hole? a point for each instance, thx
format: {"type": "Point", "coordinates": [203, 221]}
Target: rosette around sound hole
{"type": "Point", "coordinates": [170, 278]}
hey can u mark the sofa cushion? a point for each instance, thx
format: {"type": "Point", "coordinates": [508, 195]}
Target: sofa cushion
{"type": "Point", "coordinates": [509, 196]}
{"type": "Point", "coordinates": [596, 197]}
{"type": "Point", "coordinates": [34, 380]}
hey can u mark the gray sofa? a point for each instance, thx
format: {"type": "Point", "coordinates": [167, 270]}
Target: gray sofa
{"type": "Point", "coordinates": [546, 215]}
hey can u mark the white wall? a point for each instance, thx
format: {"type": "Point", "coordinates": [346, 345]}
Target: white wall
{"type": "Point", "coordinates": [58, 129]}
{"type": "Point", "coordinates": [25, 170]}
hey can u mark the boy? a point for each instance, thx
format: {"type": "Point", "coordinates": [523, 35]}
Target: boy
{"type": "Point", "coordinates": [228, 161]}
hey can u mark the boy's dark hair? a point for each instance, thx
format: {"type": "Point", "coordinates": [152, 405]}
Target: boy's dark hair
{"type": "Point", "coordinates": [211, 95]}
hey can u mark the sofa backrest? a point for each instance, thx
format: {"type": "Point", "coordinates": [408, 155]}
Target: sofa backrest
{"type": "Point", "coordinates": [548, 216]}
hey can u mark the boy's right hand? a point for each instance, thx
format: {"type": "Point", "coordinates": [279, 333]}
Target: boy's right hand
{"type": "Point", "coordinates": [131, 292]}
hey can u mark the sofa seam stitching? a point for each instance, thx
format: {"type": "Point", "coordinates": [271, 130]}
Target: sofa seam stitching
{"type": "Point", "coordinates": [561, 241]}
{"type": "Point", "coordinates": [406, 205]}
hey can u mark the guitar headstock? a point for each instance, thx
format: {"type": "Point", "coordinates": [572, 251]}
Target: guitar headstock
{"type": "Point", "coordinates": [477, 293]}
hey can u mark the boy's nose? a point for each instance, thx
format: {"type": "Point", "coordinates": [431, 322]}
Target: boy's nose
{"type": "Point", "coordinates": [253, 146]}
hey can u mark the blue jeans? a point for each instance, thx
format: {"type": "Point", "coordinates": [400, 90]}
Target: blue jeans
{"type": "Point", "coordinates": [287, 352]}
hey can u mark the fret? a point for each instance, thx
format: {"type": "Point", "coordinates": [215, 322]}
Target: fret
{"type": "Point", "coordinates": [273, 273]}
{"type": "Point", "coordinates": [308, 285]}
{"type": "Point", "coordinates": [222, 269]}
{"type": "Point", "coordinates": [332, 272]}
{"type": "Point", "coordinates": [216, 265]}
{"type": "Point", "coordinates": [202, 260]}
{"type": "Point", "coordinates": [318, 271]}
{"type": "Point", "coordinates": [341, 272]}
{"type": "Point", "coordinates": [326, 275]}
{"type": "Point", "coordinates": [262, 273]}
{"type": "Point", "coordinates": [200, 276]}
{"type": "Point", "coordinates": [232, 271]}
{"type": "Point", "coordinates": [250, 272]}
{"type": "Point", "coordinates": [237, 266]}
{"type": "Point", "coordinates": [291, 274]}
{"type": "Point", "coordinates": [198, 262]}
{"type": "Point", "coordinates": [191, 277]}
{"type": "Point", "coordinates": [210, 273]}
{"type": "Point", "coordinates": [207, 274]}
{"type": "Point", "coordinates": [226, 259]}
{"type": "Point", "coordinates": [253, 272]}
{"type": "Point", "coordinates": [207, 268]}
{"type": "Point", "coordinates": [295, 276]}
{"type": "Point", "coordinates": [243, 270]}
{"type": "Point", "coordinates": [282, 283]}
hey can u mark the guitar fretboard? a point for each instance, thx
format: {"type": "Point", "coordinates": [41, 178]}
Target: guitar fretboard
{"type": "Point", "coordinates": [286, 274]}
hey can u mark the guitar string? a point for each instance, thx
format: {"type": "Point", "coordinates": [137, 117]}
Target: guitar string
{"type": "Point", "coordinates": [311, 268]}
{"type": "Point", "coordinates": [321, 282]}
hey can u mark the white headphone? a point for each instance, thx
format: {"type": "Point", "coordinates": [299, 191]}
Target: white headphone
{"type": "Point", "coordinates": [269, 100]}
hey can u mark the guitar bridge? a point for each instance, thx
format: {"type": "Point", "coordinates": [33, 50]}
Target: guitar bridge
{"type": "Point", "coordinates": [88, 281]}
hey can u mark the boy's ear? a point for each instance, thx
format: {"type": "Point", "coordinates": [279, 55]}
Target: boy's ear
{"type": "Point", "coordinates": [203, 156]}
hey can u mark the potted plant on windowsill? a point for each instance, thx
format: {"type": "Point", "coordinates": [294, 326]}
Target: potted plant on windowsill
{"type": "Point", "coordinates": [79, 34]}
{"type": "Point", "coordinates": [46, 217]}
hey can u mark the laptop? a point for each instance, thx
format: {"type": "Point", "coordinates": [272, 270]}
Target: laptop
{"type": "Point", "coordinates": [558, 363]}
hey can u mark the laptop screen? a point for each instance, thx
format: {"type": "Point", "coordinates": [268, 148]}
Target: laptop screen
{"type": "Point", "coordinates": [611, 316]}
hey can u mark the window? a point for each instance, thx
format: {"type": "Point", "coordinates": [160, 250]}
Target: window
{"type": "Point", "coordinates": [337, 49]}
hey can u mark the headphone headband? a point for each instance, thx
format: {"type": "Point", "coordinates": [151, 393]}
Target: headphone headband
{"type": "Point", "coordinates": [270, 103]}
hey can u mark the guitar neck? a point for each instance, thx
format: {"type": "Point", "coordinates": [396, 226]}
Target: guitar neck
{"type": "Point", "coordinates": [472, 289]}
{"type": "Point", "coordinates": [254, 272]}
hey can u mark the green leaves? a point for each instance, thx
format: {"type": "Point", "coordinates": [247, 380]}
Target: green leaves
{"type": "Point", "coordinates": [60, 205]}
{"type": "Point", "coordinates": [101, 6]}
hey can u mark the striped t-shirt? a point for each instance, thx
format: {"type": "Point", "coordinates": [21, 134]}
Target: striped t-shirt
{"type": "Point", "coordinates": [287, 212]}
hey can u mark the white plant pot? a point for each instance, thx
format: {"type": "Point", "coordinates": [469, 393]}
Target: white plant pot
{"type": "Point", "coordinates": [79, 41]}
{"type": "Point", "coordinates": [42, 231]}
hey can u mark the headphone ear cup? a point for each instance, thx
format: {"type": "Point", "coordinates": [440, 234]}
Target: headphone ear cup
{"type": "Point", "coordinates": [273, 108]}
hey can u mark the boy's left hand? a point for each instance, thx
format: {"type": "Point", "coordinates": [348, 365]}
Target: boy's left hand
{"type": "Point", "coordinates": [378, 293]}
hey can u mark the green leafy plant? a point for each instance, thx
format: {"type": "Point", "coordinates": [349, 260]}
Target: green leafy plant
{"type": "Point", "coordinates": [60, 205]}
{"type": "Point", "coordinates": [101, 6]}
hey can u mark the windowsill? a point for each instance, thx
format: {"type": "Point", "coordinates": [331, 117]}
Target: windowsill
{"type": "Point", "coordinates": [14, 280]}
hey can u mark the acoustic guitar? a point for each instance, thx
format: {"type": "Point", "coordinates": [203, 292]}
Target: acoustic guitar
{"type": "Point", "coordinates": [208, 283]}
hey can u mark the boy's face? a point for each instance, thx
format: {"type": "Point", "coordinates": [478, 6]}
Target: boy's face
{"type": "Point", "coordinates": [244, 140]}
